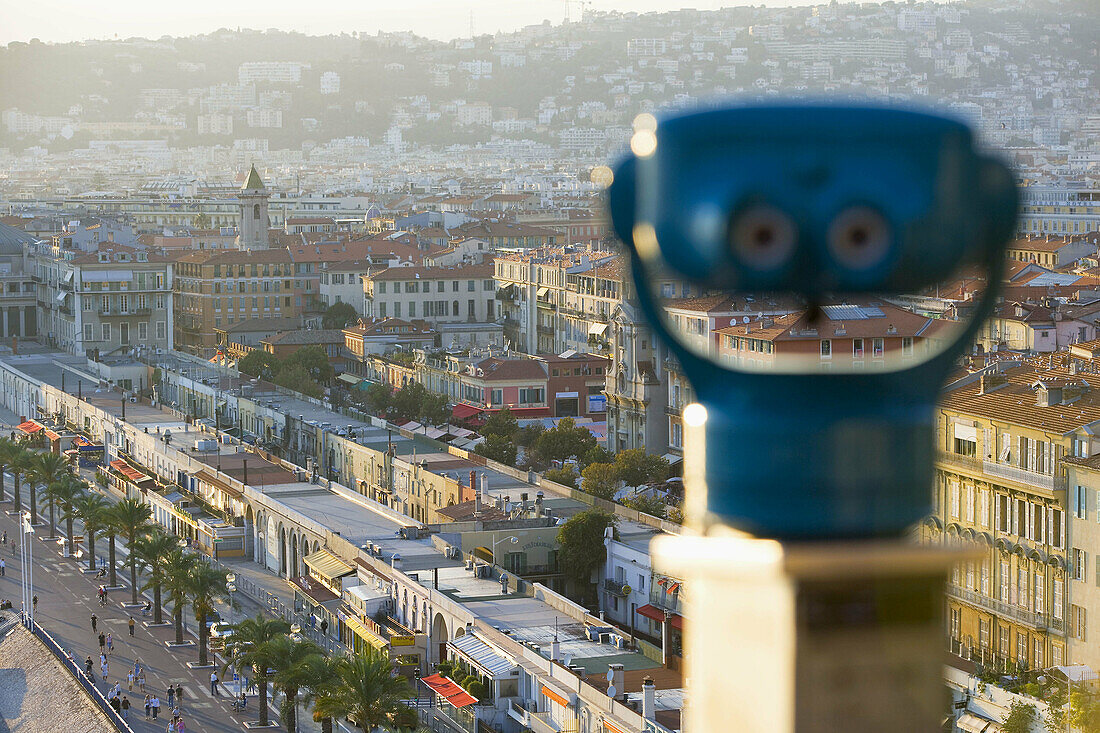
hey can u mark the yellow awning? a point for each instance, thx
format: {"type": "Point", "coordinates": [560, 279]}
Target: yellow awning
{"type": "Point", "coordinates": [364, 633]}
{"type": "Point", "coordinates": [327, 565]}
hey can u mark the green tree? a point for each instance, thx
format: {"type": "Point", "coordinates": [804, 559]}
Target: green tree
{"type": "Point", "coordinates": [177, 582]}
{"type": "Point", "coordinates": [293, 662]}
{"type": "Point", "coordinates": [314, 360]}
{"type": "Point", "coordinates": [248, 646]}
{"type": "Point", "coordinates": [321, 683]}
{"type": "Point", "coordinates": [407, 401]}
{"type": "Point", "coordinates": [110, 528]}
{"type": "Point", "coordinates": [597, 454]}
{"type": "Point", "coordinates": [366, 692]}
{"type": "Point", "coordinates": [8, 450]}
{"type": "Point", "coordinates": [44, 469]}
{"type": "Point", "coordinates": [601, 480]}
{"type": "Point", "coordinates": [132, 521]}
{"type": "Point", "coordinates": [650, 505]}
{"type": "Point", "coordinates": [22, 462]}
{"type": "Point", "coordinates": [582, 549]}
{"type": "Point", "coordinates": [497, 448]}
{"type": "Point", "coordinates": [339, 315]}
{"type": "Point", "coordinates": [207, 586]}
{"type": "Point", "coordinates": [1020, 718]}
{"type": "Point", "coordinates": [564, 440]}
{"type": "Point", "coordinates": [379, 398]}
{"type": "Point", "coordinates": [92, 510]}
{"type": "Point", "coordinates": [153, 552]}
{"type": "Point", "coordinates": [433, 409]}
{"type": "Point", "coordinates": [502, 423]}
{"type": "Point", "coordinates": [69, 491]}
{"type": "Point", "coordinates": [259, 363]}
{"type": "Point", "coordinates": [636, 467]}
{"type": "Point", "coordinates": [564, 476]}
{"type": "Point", "coordinates": [298, 379]}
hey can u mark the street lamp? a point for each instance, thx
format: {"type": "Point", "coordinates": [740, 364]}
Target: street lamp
{"type": "Point", "coordinates": [26, 533]}
{"type": "Point", "coordinates": [510, 539]}
{"type": "Point", "coordinates": [295, 632]}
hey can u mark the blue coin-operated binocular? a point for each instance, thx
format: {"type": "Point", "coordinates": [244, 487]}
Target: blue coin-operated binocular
{"type": "Point", "coordinates": [824, 204]}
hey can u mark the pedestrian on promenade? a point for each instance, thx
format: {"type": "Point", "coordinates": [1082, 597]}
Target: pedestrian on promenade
{"type": "Point", "coordinates": [88, 667]}
{"type": "Point", "coordinates": [34, 601]}
{"type": "Point", "coordinates": [141, 680]}
{"type": "Point", "coordinates": [3, 567]}
{"type": "Point", "coordinates": [155, 703]}
{"type": "Point", "coordinates": [148, 705]}
{"type": "Point", "coordinates": [102, 658]}
{"type": "Point", "coordinates": [125, 707]}
{"type": "Point", "coordinates": [95, 620]}
{"type": "Point", "coordinates": [179, 696]}
{"type": "Point", "coordinates": [103, 669]}
{"type": "Point", "coordinates": [117, 689]}
{"type": "Point", "coordinates": [214, 684]}
{"type": "Point", "coordinates": [102, 643]}
{"type": "Point", "coordinates": [171, 696]}
{"type": "Point", "coordinates": [110, 643]}
{"type": "Point", "coordinates": [130, 680]}
{"type": "Point", "coordinates": [131, 626]}
{"type": "Point", "coordinates": [116, 705]}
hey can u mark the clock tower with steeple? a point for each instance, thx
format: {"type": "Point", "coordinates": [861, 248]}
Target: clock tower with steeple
{"type": "Point", "coordinates": [254, 221]}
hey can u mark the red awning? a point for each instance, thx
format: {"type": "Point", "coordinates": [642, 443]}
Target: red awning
{"type": "Point", "coordinates": [451, 692]}
{"type": "Point", "coordinates": [652, 612]}
{"type": "Point", "coordinates": [51, 434]}
{"type": "Point", "coordinates": [30, 427]}
{"type": "Point", "coordinates": [463, 412]}
{"type": "Point", "coordinates": [128, 471]}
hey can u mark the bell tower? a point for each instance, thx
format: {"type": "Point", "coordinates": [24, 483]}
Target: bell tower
{"type": "Point", "coordinates": [254, 221]}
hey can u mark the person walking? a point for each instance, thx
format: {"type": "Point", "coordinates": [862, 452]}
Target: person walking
{"type": "Point", "coordinates": [155, 704]}
{"type": "Point", "coordinates": [171, 696]}
{"type": "Point", "coordinates": [131, 624]}
{"type": "Point", "coordinates": [214, 684]}
{"type": "Point", "coordinates": [95, 620]}
{"type": "Point", "coordinates": [125, 707]}
{"type": "Point", "coordinates": [179, 696]}
{"type": "Point", "coordinates": [3, 567]}
{"type": "Point", "coordinates": [88, 667]}
{"type": "Point", "coordinates": [34, 602]}
{"type": "Point", "coordinates": [148, 705]}
{"type": "Point", "coordinates": [141, 680]}
{"type": "Point", "coordinates": [103, 670]}
{"type": "Point", "coordinates": [110, 643]}
{"type": "Point", "coordinates": [130, 680]}
{"type": "Point", "coordinates": [102, 643]}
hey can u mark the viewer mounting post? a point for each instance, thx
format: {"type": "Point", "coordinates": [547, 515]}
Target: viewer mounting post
{"type": "Point", "coordinates": [806, 467]}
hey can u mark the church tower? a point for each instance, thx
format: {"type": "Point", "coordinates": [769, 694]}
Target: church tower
{"type": "Point", "coordinates": [254, 222]}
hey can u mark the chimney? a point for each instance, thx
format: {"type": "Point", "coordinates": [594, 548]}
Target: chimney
{"type": "Point", "coordinates": [477, 504]}
{"type": "Point", "coordinates": [617, 679]}
{"type": "Point", "coordinates": [555, 650]}
{"type": "Point", "coordinates": [649, 699]}
{"type": "Point", "coordinates": [473, 481]}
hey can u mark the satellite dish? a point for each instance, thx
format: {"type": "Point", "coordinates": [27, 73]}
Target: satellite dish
{"type": "Point", "coordinates": [610, 675]}
{"type": "Point", "coordinates": [611, 691]}
{"type": "Point", "coordinates": [744, 319]}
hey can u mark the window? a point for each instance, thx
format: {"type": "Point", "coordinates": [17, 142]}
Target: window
{"type": "Point", "coordinates": [906, 345]}
{"type": "Point", "coordinates": [956, 622]}
{"type": "Point", "coordinates": [1021, 586]}
{"type": "Point", "coordinates": [1004, 515]}
{"type": "Point", "coordinates": [983, 508]}
{"type": "Point", "coordinates": [143, 331]}
{"type": "Point", "coordinates": [470, 286]}
{"type": "Point", "coordinates": [1056, 527]}
{"type": "Point", "coordinates": [1080, 502]}
{"type": "Point", "coordinates": [497, 396]}
{"type": "Point", "coordinates": [1004, 594]}
{"type": "Point", "coordinates": [826, 349]}
{"type": "Point", "coordinates": [857, 348]}
{"type": "Point", "coordinates": [88, 335]}
{"type": "Point", "coordinates": [1080, 559]}
{"type": "Point", "coordinates": [985, 577]}
{"type": "Point", "coordinates": [530, 395]}
{"type": "Point", "coordinates": [1002, 641]}
{"type": "Point", "coordinates": [1081, 447]}
{"type": "Point", "coordinates": [953, 498]}
{"type": "Point", "coordinates": [970, 504]}
{"type": "Point", "coordinates": [983, 633]}
{"type": "Point", "coordinates": [1021, 648]}
{"type": "Point", "coordinates": [1057, 611]}
{"type": "Point", "coordinates": [877, 348]}
{"type": "Point", "coordinates": [161, 328]}
{"type": "Point", "coordinates": [105, 331]}
{"type": "Point", "coordinates": [1038, 593]}
{"type": "Point", "coordinates": [1023, 453]}
{"type": "Point", "coordinates": [1077, 620]}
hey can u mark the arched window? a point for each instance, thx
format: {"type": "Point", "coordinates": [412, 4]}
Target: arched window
{"type": "Point", "coordinates": [255, 211]}
{"type": "Point", "coordinates": [454, 308]}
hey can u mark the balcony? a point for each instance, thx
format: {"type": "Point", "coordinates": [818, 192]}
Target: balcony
{"type": "Point", "coordinates": [671, 602]}
{"type": "Point", "coordinates": [958, 460]}
{"type": "Point", "coordinates": [113, 312]}
{"type": "Point", "coordinates": [1041, 621]}
{"type": "Point", "coordinates": [1034, 479]}
{"type": "Point", "coordinates": [616, 587]}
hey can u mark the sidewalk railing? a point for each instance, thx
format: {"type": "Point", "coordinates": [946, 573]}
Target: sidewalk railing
{"type": "Point", "coordinates": [88, 685]}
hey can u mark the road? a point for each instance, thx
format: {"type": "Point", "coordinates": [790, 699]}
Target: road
{"type": "Point", "coordinates": [67, 598]}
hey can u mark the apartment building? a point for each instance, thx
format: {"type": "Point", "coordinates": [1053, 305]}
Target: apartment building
{"type": "Point", "coordinates": [18, 316]}
{"type": "Point", "coordinates": [1006, 436]}
{"type": "Point", "coordinates": [1037, 327]}
{"type": "Point", "coordinates": [1053, 251]}
{"type": "Point", "coordinates": [434, 294]}
{"type": "Point", "coordinates": [218, 289]}
{"type": "Point", "coordinates": [117, 297]}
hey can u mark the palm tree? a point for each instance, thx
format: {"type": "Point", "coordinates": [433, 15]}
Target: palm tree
{"type": "Point", "coordinates": [293, 665]}
{"type": "Point", "coordinates": [321, 683]}
{"type": "Point", "coordinates": [48, 468]}
{"type": "Point", "coordinates": [69, 491]}
{"type": "Point", "coordinates": [366, 692]}
{"type": "Point", "coordinates": [92, 510]}
{"type": "Point", "coordinates": [8, 449]}
{"type": "Point", "coordinates": [249, 645]}
{"type": "Point", "coordinates": [111, 528]}
{"type": "Point", "coordinates": [152, 551]}
{"type": "Point", "coordinates": [177, 581]}
{"type": "Point", "coordinates": [20, 465]}
{"type": "Point", "coordinates": [207, 586]}
{"type": "Point", "coordinates": [132, 522]}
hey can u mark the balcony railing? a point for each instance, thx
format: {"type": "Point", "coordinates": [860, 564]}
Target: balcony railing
{"type": "Point", "coordinates": [1023, 476]}
{"type": "Point", "coordinates": [135, 311]}
{"type": "Point", "coordinates": [1009, 610]}
{"type": "Point", "coordinates": [671, 602]}
{"type": "Point", "coordinates": [972, 463]}
{"type": "Point", "coordinates": [616, 587]}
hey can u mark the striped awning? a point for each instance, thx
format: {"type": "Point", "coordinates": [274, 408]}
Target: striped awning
{"type": "Point", "coordinates": [327, 565]}
{"type": "Point", "coordinates": [364, 633]}
{"type": "Point", "coordinates": [486, 658]}
{"type": "Point", "coordinates": [449, 691]}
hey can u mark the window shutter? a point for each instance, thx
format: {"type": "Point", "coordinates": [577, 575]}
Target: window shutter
{"type": "Point", "coordinates": [997, 511]}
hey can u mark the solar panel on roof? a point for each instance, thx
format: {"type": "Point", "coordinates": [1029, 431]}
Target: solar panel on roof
{"type": "Point", "coordinates": [843, 312]}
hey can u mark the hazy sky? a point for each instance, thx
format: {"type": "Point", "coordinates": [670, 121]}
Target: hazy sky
{"type": "Point", "coordinates": [73, 20]}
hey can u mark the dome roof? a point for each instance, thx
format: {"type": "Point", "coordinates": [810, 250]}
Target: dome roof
{"type": "Point", "coordinates": [373, 212]}
{"type": "Point", "coordinates": [12, 239]}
